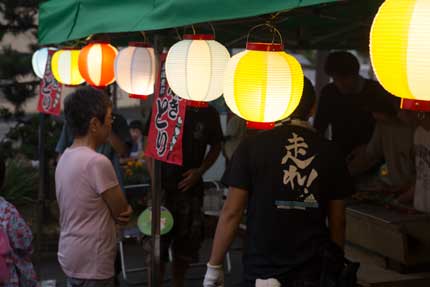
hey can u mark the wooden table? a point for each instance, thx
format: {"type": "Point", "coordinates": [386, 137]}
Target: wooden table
{"type": "Point", "coordinates": [399, 237]}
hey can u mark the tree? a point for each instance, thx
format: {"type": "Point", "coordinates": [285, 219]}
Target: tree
{"type": "Point", "coordinates": [16, 17]}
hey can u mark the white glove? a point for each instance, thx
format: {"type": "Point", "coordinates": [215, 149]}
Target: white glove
{"type": "Point", "coordinates": [214, 276]}
{"type": "Point", "coordinates": [267, 283]}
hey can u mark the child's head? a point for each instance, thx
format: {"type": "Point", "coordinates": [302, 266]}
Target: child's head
{"type": "Point", "coordinates": [2, 173]}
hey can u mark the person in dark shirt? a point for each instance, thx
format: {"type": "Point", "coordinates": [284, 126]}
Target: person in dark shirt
{"type": "Point", "coordinates": [343, 104]}
{"type": "Point", "coordinates": [289, 180]}
{"type": "Point", "coordinates": [183, 188]}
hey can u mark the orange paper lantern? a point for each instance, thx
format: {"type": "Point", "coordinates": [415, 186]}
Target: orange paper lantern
{"type": "Point", "coordinates": [96, 64]}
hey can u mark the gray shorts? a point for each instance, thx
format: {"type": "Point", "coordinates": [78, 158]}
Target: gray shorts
{"type": "Point", "coordinates": [74, 282]}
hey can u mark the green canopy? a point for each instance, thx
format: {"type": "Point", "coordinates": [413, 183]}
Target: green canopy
{"type": "Point", "coordinates": [64, 20]}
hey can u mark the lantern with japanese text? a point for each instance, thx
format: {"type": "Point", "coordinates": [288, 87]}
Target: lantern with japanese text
{"type": "Point", "coordinates": [96, 63]}
{"type": "Point", "coordinates": [38, 61]}
{"type": "Point", "coordinates": [263, 84]}
{"type": "Point", "coordinates": [399, 48]}
{"type": "Point", "coordinates": [195, 68]}
{"type": "Point", "coordinates": [64, 66]}
{"type": "Point", "coordinates": [135, 70]}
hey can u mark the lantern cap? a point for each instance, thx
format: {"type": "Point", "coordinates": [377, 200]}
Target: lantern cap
{"type": "Point", "coordinates": [136, 96]}
{"type": "Point", "coordinates": [259, 125]}
{"type": "Point", "coordinates": [267, 47]}
{"type": "Point", "coordinates": [198, 37]}
{"type": "Point", "coordinates": [415, 105]}
{"type": "Point", "coordinates": [197, 104]}
{"type": "Point", "coordinates": [68, 49]}
{"type": "Point", "coordinates": [98, 42]}
{"type": "Point", "coordinates": [140, 44]}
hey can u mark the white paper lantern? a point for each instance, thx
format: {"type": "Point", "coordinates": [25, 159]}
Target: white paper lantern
{"type": "Point", "coordinates": [263, 84]}
{"type": "Point", "coordinates": [135, 70]}
{"type": "Point", "coordinates": [39, 61]}
{"type": "Point", "coordinates": [195, 68]}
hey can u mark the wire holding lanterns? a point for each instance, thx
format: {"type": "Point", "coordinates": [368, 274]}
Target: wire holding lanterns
{"type": "Point", "coordinates": [195, 68]}
{"type": "Point", "coordinates": [399, 45]}
{"type": "Point", "coordinates": [263, 84]}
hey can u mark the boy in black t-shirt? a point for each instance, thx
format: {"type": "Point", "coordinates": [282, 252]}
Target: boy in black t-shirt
{"type": "Point", "coordinates": [290, 180]}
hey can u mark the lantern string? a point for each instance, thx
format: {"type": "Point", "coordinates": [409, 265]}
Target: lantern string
{"type": "Point", "coordinates": [272, 28]}
{"type": "Point", "coordinates": [213, 29]}
{"type": "Point", "coordinates": [178, 34]}
{"type": "Point", "coordinates": [145, 37]}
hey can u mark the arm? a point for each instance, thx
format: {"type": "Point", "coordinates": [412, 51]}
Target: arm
{"type": "Point", "coordinates": [322, 116]}
{"type": "Point", "coordinates": [360, 161]}
{"type": "Point", "coordinates": [117, 204]}
{"type": "Point", "coordinates": [192, 176]}
{"type": "Point", "coordinates": [228, 224]}
{"type": "Point", "coordinates": [337, 221]}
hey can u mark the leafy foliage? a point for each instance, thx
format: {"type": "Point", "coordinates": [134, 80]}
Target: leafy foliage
{"type": "Point", "coordinates": [20, 183]}
{"type": "Point", "coordinates": [23, 139]}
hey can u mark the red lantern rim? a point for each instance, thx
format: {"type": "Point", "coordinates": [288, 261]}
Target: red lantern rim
{"type": "Point", "coordinates": [198, 37]}
{"type": "Point", "coordinates": [259, 125]}
{"type": "Point", "coordinates": [140, 44]}
{"type": "Point", "coordinates": [415, 105]}
{"type": "Point", "coordinates": [68, 49]}
{"type": "Point", "coordinates": [98, 42]}
{"type": "Point", "coordinates": [267, 47]}
{"type": "Point", "coordinates": [197, 104]}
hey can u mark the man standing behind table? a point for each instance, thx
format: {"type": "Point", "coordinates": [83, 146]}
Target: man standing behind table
{"type": "Point", "coordinates": [343, 104]}
{"type": "Point", "coordinates": [88, 194]}
{"type": "Point", "coordinates": [183, 188]}
{"type": "Point", "coordinates": [290, 180]}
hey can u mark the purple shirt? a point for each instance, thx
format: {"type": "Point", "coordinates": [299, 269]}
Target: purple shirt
{"type": "Point", "coordinates": [87, 245]}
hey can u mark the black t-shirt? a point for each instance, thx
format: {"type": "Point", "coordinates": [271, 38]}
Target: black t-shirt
{"type": "Point", "coordinates": [201, 128]}
{"type": "Point", "coordinates": [350, 115]}
{"type": "Point", "coordinates": [290, 173]}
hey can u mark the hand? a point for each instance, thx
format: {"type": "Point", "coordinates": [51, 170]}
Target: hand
{"type": "Point", "coordinates": [214, 276]}
{"type": "Point", "coordinates": [125, 216]}
{"type": "Point", "coordinates": [190, 178]}
{"type": "Point", "coordinates": [267, 283]}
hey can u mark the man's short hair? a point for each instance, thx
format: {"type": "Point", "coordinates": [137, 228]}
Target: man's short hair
{"type": "Point", "coordinates": [136, 124]}
{"type": "Point", "coordinates": [306, 102]}
{"type": "Point", "coordinates": [83, 105]}
{"type": "Point", "coordinates": [341, 63]}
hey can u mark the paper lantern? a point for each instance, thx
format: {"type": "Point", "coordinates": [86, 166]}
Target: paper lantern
{"type": "Point", "coordinates": [399, 47]}
{"type": "Point", "coordinates": [39, 61]}
{"type": "Point", "coordinates": [263, 84]}
{"type": "Point", "coordinates": [64, 66]}
{"type": "Point", "coordinates": [135, 70]}
{"type": "Point", "coordinates": [96, 64]}
{"type": "Point", "coordinates": [195, 68]}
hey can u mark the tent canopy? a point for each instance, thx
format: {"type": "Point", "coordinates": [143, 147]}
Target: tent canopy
{"type": "Point", "coordinates": [304, 24]}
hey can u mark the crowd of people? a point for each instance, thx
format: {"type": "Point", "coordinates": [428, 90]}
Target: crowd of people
{"type": "Point", "coordinates": [291, 181]}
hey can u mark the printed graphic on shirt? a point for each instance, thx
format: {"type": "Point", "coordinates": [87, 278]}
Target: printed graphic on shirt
{"type": "Point", "coordinates": [297, 178]}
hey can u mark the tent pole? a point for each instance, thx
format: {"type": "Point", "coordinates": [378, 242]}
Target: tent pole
{"type": "Point", "coordinates": [156, 191]}
{"type": "Point", "coordinates": [42, 185]}
{"type": "Point", "coordinates": [156, 204]}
